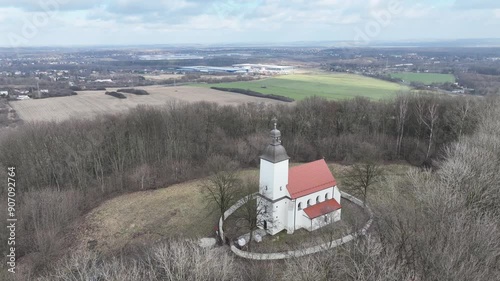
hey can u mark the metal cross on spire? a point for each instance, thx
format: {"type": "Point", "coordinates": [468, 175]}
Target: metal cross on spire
{"type": "Point", "coordinates": [275, 121]}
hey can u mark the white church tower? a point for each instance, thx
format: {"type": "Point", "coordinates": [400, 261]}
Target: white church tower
{"type": "Point", "coordinates": [274, 197]}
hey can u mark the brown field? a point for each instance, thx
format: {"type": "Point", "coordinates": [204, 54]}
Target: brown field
{"type": "Point", "coordinates": [162, 76]}
{"type": "Point", "coordinates": [89, 104]}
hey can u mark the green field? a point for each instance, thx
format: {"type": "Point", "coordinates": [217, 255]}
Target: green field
{"type": "Point", "coordinates": [331, 86]}
{"type": "Point", "coordinates": [426, 78]}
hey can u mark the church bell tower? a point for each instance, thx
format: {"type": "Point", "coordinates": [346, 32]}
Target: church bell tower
{"type": "Point", "coordinates": [274, 168]}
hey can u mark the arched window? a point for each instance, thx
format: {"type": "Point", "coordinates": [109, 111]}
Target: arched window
{"type": "Point", "coordinates": [309, 202]}
{"type": "Point", "coordinates": [317, 199]}
{"type": "Point", "coordinates": [300, 206]}
{"type": "Point", "coordinates": [327, 196]}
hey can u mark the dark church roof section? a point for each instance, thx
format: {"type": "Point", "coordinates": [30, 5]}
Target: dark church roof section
{"type": "Point", "coordinates": [309, 178]}
{"type": "Point", "coordinates": [275, 152]}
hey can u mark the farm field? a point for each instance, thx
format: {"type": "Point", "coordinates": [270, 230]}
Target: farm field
{"type": "Point", "coordinates": [88, 104]}
{"type": "Point", "coordinates": [331, 86]}
{"type": "Point", "coordinates": [426, 78]}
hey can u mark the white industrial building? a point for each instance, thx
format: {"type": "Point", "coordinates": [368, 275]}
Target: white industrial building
{"type": "Point", "coordinates": [304, 196]}
{"type": "Point", "coordinates": [265, 68]}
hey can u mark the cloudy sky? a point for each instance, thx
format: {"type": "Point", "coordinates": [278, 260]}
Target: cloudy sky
{"type": "Point", "coordinates": [133, 22]}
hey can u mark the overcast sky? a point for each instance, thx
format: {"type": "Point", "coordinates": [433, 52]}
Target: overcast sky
{"type": "Point", "coordinates": [133, 22]}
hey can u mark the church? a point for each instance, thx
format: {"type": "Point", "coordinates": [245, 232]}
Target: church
{"type": "Point", "coordinates": [304, 196]}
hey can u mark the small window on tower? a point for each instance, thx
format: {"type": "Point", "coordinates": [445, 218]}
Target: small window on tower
{"type": "Point", "coordinates": [266, 187]}
{"type": "Point", "coordinates": [281, 188]}
{"type": "Point", "coordinates": [300, 206]}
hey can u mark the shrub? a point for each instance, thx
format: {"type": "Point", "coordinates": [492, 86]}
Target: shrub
{"type": "Point", "coordinates": [254, 94]}
{"type": "Point", "coordinates": [116, 95]}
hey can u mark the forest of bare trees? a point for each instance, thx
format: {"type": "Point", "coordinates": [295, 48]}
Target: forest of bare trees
{"type": "Point", "coordinates": [436, 223]}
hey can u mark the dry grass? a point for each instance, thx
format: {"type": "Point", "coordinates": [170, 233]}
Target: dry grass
{"type": "Point", "coordinates": [89, 104]}
{"type": "Point", "coordinates": [145, 217]}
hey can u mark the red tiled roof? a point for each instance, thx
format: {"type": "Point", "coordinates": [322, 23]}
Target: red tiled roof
{"type": "Point", "coordinates": [309, 178]}
{"type": "Point", "coordinates": [322, 208]}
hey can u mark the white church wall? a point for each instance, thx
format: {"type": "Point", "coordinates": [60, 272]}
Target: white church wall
{"type": "Point", "coordinates": [274, 176]}
{"type": "Point", "coordinates": [275, 217]}
{"type": "Point", "coordinates": [302, 220]}
{"type": "Point", "coordinates": [324, 220]}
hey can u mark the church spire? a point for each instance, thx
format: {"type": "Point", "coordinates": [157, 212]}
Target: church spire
{"type": "Point", "coordinates": [275, 133]}
{"type": "Point", "coordinates": [275, 152]}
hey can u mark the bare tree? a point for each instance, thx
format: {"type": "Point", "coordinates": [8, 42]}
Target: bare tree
{"type": "Point", "coordinates": [220, 190]}
{"type": "Point", "coordinates": [428, 115]}
{"type": "Point", "coordinates": [251, 211]}
{"type": "Point", "coordinates": [362, 177]}
{"type": "Point", "coordinates": [402, 107]}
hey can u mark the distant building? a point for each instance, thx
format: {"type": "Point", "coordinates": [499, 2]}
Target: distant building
{"type": "Point", "coordinates": [104, 81]}
{"type": "Point", "coordinates": [280, 69]}
{"type": "Point", "coordinates": [211, 69]}
{"type": "Point", "coordinates": [23, 97]}
{"type": "Point", "coordinates": [304, 196]}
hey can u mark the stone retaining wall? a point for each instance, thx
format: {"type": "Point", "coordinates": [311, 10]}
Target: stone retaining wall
{"type": "Point", "coordinates": [302, 252]}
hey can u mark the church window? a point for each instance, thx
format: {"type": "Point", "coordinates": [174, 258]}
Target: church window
{"type": "Point", "coordinates": [327, 196]}
{"type": "Point", "coordinates": [300, 206]}
{"type": "Point", "coordinates": [317, 199]}
{"type": "Point", "coordinates": [326, 218]}
{"type": "Point", "coordinates": [309, 202]}
{"type": "Point", "coordinates": [281, 188]}
{"type": "Point", "coordinates": [266, 187]}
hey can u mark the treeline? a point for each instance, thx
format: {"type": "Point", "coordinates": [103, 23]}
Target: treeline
{"type": "Point", "coordinates": [254, 94]}
{"type": "Point", "coordinates": [116, 95]}
{"type": "Point", "coordinates": [134, 91]}
{"type": "Point", "coordinates": [213, 78]}
{"type": "Point", "coordinates": [481, 83]}
{"type": "Point", "coordinates": [67, 168]}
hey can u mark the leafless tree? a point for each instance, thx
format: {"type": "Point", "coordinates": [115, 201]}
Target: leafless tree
{"type": "Point", "coordinates": [251, 211]}
{"type": "Point", "coordinates": [402, 110]}
{"type": "Point", "coordinates": [221, 190]}
{"type": "Point", "coordinates": [361, 177]}
{"type": "Point", "coordinates": [428, 114]}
